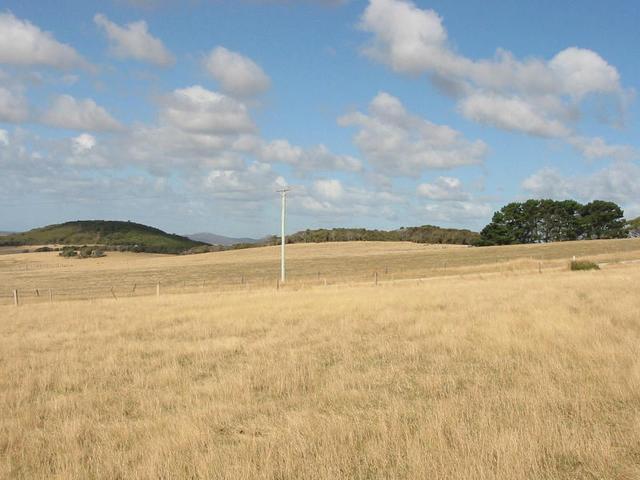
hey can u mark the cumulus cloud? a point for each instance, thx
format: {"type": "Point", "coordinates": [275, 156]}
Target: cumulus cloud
{"type": "Point", "coordinates": [597, 148]}
{"type": "Point", "coordinates": [198, 110]}
{"type": "Point", "coordinates": [457, 212]}
{"type": "Point", "coordinates": [13, 106]}
{"type": "Point", "coordinates": [253, 183]}
{"type": "Point", "coordinates": [620, 182]}
{"type": "Point", "coordinates": [237, 75]}
{"type": "Point", "coordinates": [198, 128]}
{"type": "Point", "coordinates": [533, 96]}
{"type": "Point", "coordinates": [396, 141]}
{"type": "Point", "coordinates": [23, 43]}
{"type": "Point", "coordinates": [330, 199]}
{"type": "Point", "coordinates": [447, 202]}
{"type": "Point", "coordinates": [83, 143]}
{"type": "Point", "coordinates": [317, 158]}
{"type": "Point", "coordinates": [511, 113]}
{"type": "Point", "coordinates": [4, 137]}
{"type": "Point", "coordinates": [443, 189]}
{"type": "Point", "coordinates": [134, 41]}
{"type": "Point", "coordinates": [68, 112]}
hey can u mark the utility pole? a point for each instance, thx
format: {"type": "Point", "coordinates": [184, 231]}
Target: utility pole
{"type": "Point", "coordinates": [283, 195]}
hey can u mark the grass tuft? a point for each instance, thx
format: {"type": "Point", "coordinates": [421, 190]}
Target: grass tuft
{"type": "Point", "coordinates": [583, 265]}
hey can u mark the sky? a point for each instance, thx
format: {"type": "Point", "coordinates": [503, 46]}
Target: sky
{"type": "Point", "coordinates": [190, 115]}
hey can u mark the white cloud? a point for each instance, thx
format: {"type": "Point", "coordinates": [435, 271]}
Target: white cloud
{"type": "Point", "coordinates": [443, 189]}
{"type": "Point", "coordinates": [511, 113]}
{"type": "Point", "coordinates": [22, 43]}
{"type": "Point", "coordinates": [201, 128]}
{"type": "Point", "coordinates": [318, 158]}
{"type": "Point", "coordinates": [619, 182]}
{"type": "Point", "coordinates": [532, 96]}
{"type": "Point", "coordinates": [237, 75]}
{"type": "Point", "coordinates": [13, 106]}
{"type": "Point", "coordinates": [198, 110]}
{"type": "Point", "coordinates": [256, 182]}
{"type": "Point", "coordinates": [329, 189]}
{"type": "Point", "coordinates": [547, 182]}
{"type": "Point", "coordinates": [457, 212]}
{"type": "Point", "coordinates": [330, 199]}
{"type": "Point", "coordinates": [134, 41]}
{"type": "Point", "coordinates": [83, 143]}
{"type": "Point", "coordinates": [596, 148]}
{"type": "Point", "coordinates": [582, 72]}
{"type": "Point", "coordinates": [4, 137]}
{"type": "Point", "coordinates": [67, 112]}
{"type": "Point", "coordinates": [398, 142]}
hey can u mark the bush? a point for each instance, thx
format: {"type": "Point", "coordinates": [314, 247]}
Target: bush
{"type": "Point", "coordinates": [584, 265]}
{"type": "Point", "coordinates": [44, 249]}
{"type": "Point", "coordinates": [68, 252]}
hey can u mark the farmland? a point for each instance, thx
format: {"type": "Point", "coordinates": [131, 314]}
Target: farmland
{"type": "Point", "coordinates": [483, 368]}
{"type": "Point", "coordinates": [129, 274]}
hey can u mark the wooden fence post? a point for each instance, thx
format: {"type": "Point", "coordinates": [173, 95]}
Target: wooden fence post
{"type": "Point", "coordinates": [16, 298]}
{"type": "Point", "coordinates": [277, 284]}
{"type": "Point", "coordinates": [376, 277]}
{"type": "Point", "coordinates": [50, 295]}
{"type": "Point", "coordinates": [158, 289]}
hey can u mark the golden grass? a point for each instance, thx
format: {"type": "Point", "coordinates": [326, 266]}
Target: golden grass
{"type": "Point", "coordinates": [308, 264]}
{"type": "Point", "coordinates": [496, 376]}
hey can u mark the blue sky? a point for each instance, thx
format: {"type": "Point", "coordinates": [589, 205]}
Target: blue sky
{"type": "Point", "coordinates": [382, 113]}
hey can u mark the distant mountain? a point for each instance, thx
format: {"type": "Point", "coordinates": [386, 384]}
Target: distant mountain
{"type": "Point", "coordinates": [214, 239]}
{"type": "Point", "coordinates": [4, 234]}
{"type": "Point", "coordinates": [123, 235]}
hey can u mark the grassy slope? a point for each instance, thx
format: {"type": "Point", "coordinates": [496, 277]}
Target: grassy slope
{"type": "Point", "coordinates": [507, 377]}
{"type": "Point", "coordinates": [306, 264]}
{"type": "Point", "coordinates": [100, 232]}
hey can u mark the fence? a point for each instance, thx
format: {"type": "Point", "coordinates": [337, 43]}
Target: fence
{"type": "Point", "coordinates": [165, 284]}
{"type": "Point", "coordinates": [118, 289]}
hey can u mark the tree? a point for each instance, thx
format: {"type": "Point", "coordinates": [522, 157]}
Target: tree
{"type": "Point", "coordinates": [600, 219]}
{"type": "Point", "coordinates": [541, 221]}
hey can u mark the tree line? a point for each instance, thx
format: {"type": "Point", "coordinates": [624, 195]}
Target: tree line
{"type": "Point", "coordinates": [422, 234]}
{"type": "Point", "coordinates": [541, 221]}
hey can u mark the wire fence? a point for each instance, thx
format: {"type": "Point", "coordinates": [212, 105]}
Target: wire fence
{"type": "Point", "coordinates": [119, 290]}
{"type": "Point", "coordinates": [68, 288]}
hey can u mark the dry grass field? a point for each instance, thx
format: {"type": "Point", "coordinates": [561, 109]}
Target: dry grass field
{"type": "Point", "coordinates": [130, 274]}
{"type": "Point", "coordinates": [500, 373]}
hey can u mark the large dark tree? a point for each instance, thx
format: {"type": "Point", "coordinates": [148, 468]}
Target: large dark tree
{"type": "Point", "coordinates": [600, 219]}
{"type": "Point", "coordinates": [541, 221]}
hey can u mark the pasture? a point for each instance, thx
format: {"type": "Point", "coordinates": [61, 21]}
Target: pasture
{"type": "Point", "coordinates": [483, 368]}
{"type": "Point", "coordinates": [131, 274]}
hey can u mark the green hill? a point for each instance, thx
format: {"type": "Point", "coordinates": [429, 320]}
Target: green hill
{"type": "Point", "coordinates": [124, 235]}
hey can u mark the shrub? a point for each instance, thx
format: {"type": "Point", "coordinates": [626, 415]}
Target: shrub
{"type": "Point", "coordinates": [44, 249]}
{"type": "Point", "coordinates": [68, 252]}
{"type": "Point", "coordinates": [584, 265]}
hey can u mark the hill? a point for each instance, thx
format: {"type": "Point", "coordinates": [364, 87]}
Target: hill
{"type": "Point", "coordinates": [423, 234]}
{"type": "Point", "coordinates": [123, 235]}
{"type": "Point", "coordinates": [215, 239]}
